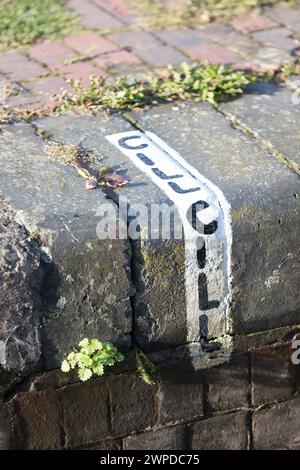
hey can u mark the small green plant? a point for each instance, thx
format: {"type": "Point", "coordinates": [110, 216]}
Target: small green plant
{"type": "Point", "coordinates": [288, 69]}
{"type": "Point", "coordinates": [24, 21]}
{"type": "Point", "coordinates": [144, 367]}
{"type": "Point", "coordinates": [191, 82]}
{"type": "Point", "coordinates": [91, 358]}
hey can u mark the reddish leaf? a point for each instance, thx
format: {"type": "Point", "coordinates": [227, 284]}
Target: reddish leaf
{"type": "Point", "coordinates": [83, 169]}
{"type": "Point", "coordinates": [91, 183]}
{"type": "Point", "coordinates": [113, 180]}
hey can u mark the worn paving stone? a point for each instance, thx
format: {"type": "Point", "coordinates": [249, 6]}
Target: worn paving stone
{"type": "Point", "coordinates": [116, 59]}
{"type": "Point", "coordinates": [17, 67]}
{"type": "Point", "coordinates": [86, 285]}
{"type": "Point", "coordinates": [211, 53]}
{"type": "Point", "coordinates": [289, 17]}
{"type": "Point", "coordinates": [81, 71]}
{"type": "Point", "coordinates": [228, 432]}
{"type": "Point", "coordinates": [265, 263]}
{"type": "Point", "coordinates": [273, 113]}
{"type": "Point", "coordinates": [182, 37]}
{"type": "Point", "coordinates": [90, 43]}
{"type": "Point", "coordinates": [277, 427]}
{"type": "Point", "coordinates": [278, 37]}
{"type": "Point", "coordinates": [50, 52]}
{"type": "Point", "coordinates": [93, 17]}
{"type": "Point", "coordinates": [48, 90]}
{"type": "Point", "coordinates": [253, 23]}
{"type": "Point", "coordinates": [164, 439]}
{"type": "Point", "coordinates": [159, 303]}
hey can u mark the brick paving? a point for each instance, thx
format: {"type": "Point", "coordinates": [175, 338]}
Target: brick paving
{"type": "Point", "coordinates": [112, 40]}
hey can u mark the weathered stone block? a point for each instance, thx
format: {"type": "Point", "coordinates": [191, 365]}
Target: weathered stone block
{"type": "Point", "coordinates": [38, 420]}
{"type": "Point", "coordinates": [228, 432]}
{"type": "Point", "coordinates": [85, 413]}
{"type": "Point", "coordinates": [86, 285]}
{"type": "Point", "coordinates": [133, 404]}
{"type": "Point", "coordinates": [277, 427]}
{"type": "Point", "coordinates": [158, 265]}
{"type": "Point", "coordinates": [173, 438]}
{"type": "Point", "coordinates": [6, 427]}
{"type": "Point", "coordinates": [229, 385]}
{"type": "Point", "coordinates": [264, 264]}
{"type": "Point", "coordinates": [180, 393]}
{"type": "Point", "coordinates": [20, 281]}
{"type": "Point", "coordinates": [272, 374]}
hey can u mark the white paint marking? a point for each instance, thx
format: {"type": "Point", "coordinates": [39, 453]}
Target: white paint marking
{"type": "Point", "coordinates": [150, 154]}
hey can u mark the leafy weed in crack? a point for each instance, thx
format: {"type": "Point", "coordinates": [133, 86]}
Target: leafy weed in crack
{"type": "Point", "coordinates": [190, 82]}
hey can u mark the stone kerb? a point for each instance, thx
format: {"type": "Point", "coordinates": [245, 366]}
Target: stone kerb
{"type": "Point", "coordinates": [234, 272]}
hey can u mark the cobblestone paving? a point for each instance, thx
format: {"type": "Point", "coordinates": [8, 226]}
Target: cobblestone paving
{"type": "Point", "coordinates": [112, 41]}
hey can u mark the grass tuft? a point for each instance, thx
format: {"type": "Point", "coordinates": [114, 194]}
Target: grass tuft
{"type": "Point", "coordinates": [24, 21]}
{"type": "Point", "coordinates": [198, 83]}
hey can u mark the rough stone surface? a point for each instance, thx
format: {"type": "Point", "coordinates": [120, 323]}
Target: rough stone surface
{"type": "Point", "coordinates": [220, 433]}
{"type": "Point", "coordinates": [38, 420]}
{"type": "Point", "coordinates": [86, 413]}
{"type": "Point", "coordinates": [277, 427]}
{"type": "Point", "coordinates": [132, 404]}
{"type": "Point", "coordinates": [86, 285]}
{"type": "Point", "coordinates": [264, 247]}
{"type": "Point", "coordinates": [21, 277]}
{"type": "Point", "coordinates": [5, 428]}
{"type": "Point", "coordinates": [228, 384]}
{"type": "Point", "coordinates": [272, 374]}
{"type": "Point", "coordinates": [158, 265]}
{"type": "Point", "coordinates": [272, 112]}
{"type": "Point", "coordinates": [180, 393]}
{"type": "Point", "coordinates": [164, 439]}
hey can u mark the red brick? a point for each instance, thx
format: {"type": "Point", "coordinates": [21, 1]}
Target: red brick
{"type": "Point", "coordinates": [24, 100]}
{"type": "Point", "coordinates": [48, 86]}
{"type": "Point", "coordinates": [211, 53]}
{"type": "Point", "coordinates": [48, 90]}
{"type": "Point", "coordinates": [93, 17]}
{"type": "Point", "coordinates": [272, 374]}
{"type": "Point", "coordinates": [118, 7]}
{"type": "Point", "coordinates": [114, 59]}
{"type": "Point", "coordinates": [50, 52]}
{"type": "Point", "coordinates": [17, 67]}
{"type": "Point", "coordinates": [253, 23]}
{"type": "Point", "coordinates": [81, 71]}
{"type": "Point", "coordinates": [86, 413]}
{"type": "Point", "coordinates": [38, 419]}
{"type": "Point", "coordinates": [224, 432]}
{"type": "Point", "coordinates": [90, 43]}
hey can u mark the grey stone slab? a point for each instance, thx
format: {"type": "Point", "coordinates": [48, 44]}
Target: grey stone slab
{"type": "Point", "coordinates": [284, 15]}
{"type": "Point", "coordinates": [262, 193]}
{"type": "Point", "coordinates": [159, 303]}
{"type": "Point", "coordinates": [278, 37]}
{"type": "Point", "coordinates": [273, 113]}
{"type": "Point", "coordinates": [85, 288]}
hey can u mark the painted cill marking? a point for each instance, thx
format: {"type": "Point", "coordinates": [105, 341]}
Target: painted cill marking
{"type": "Point", "coordinates": [205, 214]}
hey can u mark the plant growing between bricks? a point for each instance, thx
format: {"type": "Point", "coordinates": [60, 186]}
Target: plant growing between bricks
{"type": "Point", "coordinates": [93, 356]}
{"type": "Point", "coordinates": [189, 82]}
